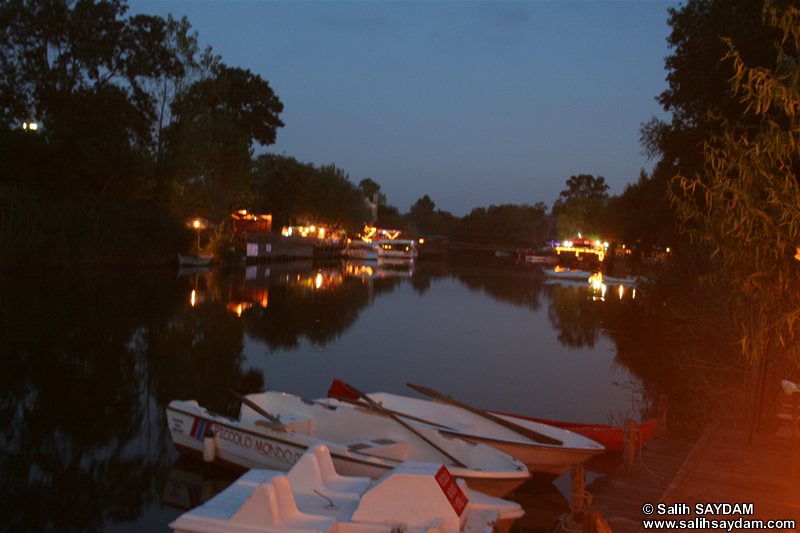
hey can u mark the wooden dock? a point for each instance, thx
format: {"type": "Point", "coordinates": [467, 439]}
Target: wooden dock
{"type": "Point", "coordinates": [722, 467]}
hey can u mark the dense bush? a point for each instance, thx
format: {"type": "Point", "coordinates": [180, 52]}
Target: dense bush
{"type": "Point", "coordinates": [40, 232]}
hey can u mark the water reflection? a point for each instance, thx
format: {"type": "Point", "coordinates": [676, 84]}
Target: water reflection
{"type": "Point", "coordinates": [91, 360]}
{"type": "Point", "coordinates": [77, 426]}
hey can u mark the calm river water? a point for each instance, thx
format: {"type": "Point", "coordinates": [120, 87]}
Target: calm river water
{"type": "Point", "coordinates": [91, 359]}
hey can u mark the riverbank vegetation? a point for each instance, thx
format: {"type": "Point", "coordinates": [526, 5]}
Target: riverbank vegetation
{"type": "Point", "coordinates": [36, 230]}
{"type": "Point", "coordinates": [731, 296]}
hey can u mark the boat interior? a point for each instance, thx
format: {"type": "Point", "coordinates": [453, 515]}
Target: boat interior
{"type": "Point", "coordinates": [363, 430]}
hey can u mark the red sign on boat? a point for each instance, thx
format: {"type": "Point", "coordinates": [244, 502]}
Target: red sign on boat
{"type": "Point", "coordinates": [451, 490]}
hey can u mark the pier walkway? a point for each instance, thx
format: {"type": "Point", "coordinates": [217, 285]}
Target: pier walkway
{"type": "Point", "coordinates": [721, 467]}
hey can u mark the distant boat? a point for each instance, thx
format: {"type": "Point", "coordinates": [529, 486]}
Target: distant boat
{"type": "Point", "coordinates": [568, 274]}
{"type": "Point", "coordinates": [361, 250]}
{"type": "Point", "coordinates": [195, 259]}
{"type": "Point", "coordinates": [627, 280]}
{"type": "Point", "coordinates": [534, 259]}
{"type": "Point", "coordinates": [397, 249]}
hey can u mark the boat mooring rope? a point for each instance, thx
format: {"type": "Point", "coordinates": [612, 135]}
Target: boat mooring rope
{"type": "Point", "coordinates": [567, 522]}
{"type": "Point", "coordinates": [641, 459]}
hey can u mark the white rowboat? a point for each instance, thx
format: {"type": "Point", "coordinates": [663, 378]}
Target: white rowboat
{"type": "Point", "coordinates": [361, 442]}
{"type": "Point", "coordinates": [542, 448]}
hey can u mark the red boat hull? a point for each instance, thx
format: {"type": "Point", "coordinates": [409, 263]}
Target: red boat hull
{"type": "Point", "coordinates": [609, 436]}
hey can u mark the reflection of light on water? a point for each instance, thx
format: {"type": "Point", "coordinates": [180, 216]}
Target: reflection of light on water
{"type": "Point", "coordinates": [238, 308]}
{"type": "Point", "coordinates": [356, 270]}
{"type": "Point", "coordinates": [194, 297]}
{"type": "Point", "coordinates": [599, 285]}
{"type": "Point", "coordinates": [318, 280]}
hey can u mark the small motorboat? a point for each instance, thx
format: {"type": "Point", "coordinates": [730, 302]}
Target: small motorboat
{"type": "Point", "coordinates": [611, 437]}
{"type": "Point", "coordinates": [397, 249]}
{"type": "Point", "coordinates": [542, 448]}
{"type": "Point", "coordinates": [274, 429]}
{"type": "Point", "coordinates": [362, 251]}
{"type": "Point", "coordinates": [195, 260]}
{"type": "Point", "coordinates": [312, 497]}
{"type": "Point", "coordinates": [540, 259]}
{"type": "Point", "coordinates": [627, 281]}
{"type": "Point", "coordinates": [568, 274]}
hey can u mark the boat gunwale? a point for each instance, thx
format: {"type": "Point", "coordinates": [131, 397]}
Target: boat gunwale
{"type": "Point", "coordinates": [527, 444]}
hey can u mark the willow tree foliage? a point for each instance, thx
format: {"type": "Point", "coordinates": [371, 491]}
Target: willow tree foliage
{"type": "Point", "coordinates": [697, 81]}
{"type": "Point", "coordinates": [746, 203]}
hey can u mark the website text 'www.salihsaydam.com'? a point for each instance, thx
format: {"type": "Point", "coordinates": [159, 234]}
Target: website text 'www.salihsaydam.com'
{"type": "Point", "coordinates": [724, 516]}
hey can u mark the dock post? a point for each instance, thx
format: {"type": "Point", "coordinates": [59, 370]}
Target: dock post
{"type": "Point", "coordinates": [630, 433]}
{"type": "Point", "coordinates": [577, 500]}
{"type": "Point", "coordinates": [595, 523]}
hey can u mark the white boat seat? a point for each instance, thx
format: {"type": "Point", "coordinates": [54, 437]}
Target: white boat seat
{"type": "Point", "coordinates": [260, 499]}
{"type": "Point", "coordinates": [315, 472]}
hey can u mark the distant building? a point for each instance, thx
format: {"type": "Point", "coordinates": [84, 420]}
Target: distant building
{"type": "Point", "coordinates": [251, 233]}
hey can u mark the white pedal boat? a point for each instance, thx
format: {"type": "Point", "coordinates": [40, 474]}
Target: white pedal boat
{"type": "Point", "coordinates": [540, 447]}
{"type": "Point", "coordinates": [361, 442]}
{"type": "Point", "coordinates": [313, 497]}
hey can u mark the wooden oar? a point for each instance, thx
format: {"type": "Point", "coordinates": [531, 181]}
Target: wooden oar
{"type": "Point", "coordinates": [398, 413]}
{"type": "Point", "coordinates": [257, 408]}
{"type": "Point", "coordinates": [525, 432]}
{"type": "Point", "coordinates": [378, 407]}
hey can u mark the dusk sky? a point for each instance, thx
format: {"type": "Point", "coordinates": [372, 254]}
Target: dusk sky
{"type": "Point", "coordinates": [472, 103]}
